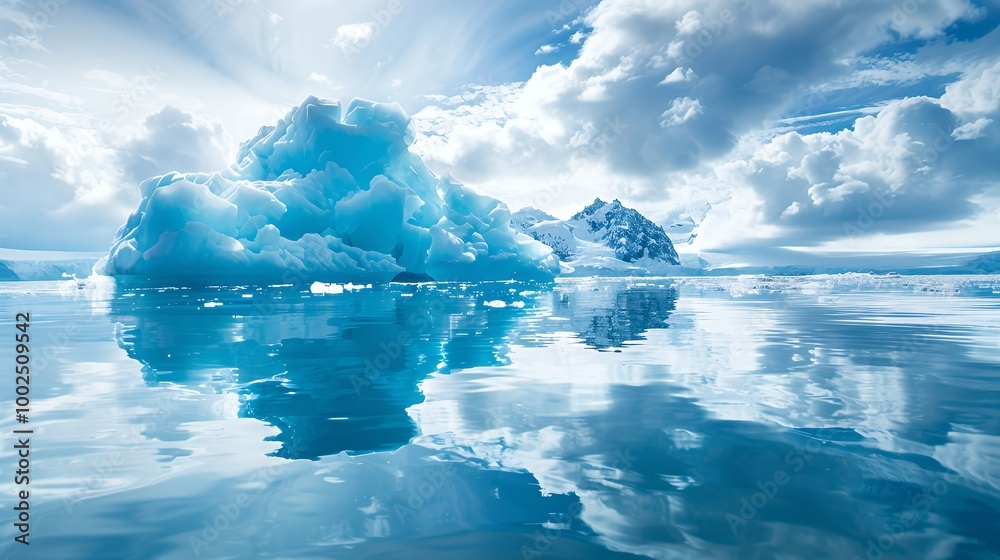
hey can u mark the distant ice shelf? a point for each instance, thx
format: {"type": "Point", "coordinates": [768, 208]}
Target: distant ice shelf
{"type": "Point", "coordinates": [44, 265]}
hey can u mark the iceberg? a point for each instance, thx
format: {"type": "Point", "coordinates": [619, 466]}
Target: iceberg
{"type": "Point", "coordinates": [322, 196]}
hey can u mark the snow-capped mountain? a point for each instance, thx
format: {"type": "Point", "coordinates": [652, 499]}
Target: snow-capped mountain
{"type": "Point", "coordinates": [604, 237]}
{"type": "Point", "coordinates": [626, 231]}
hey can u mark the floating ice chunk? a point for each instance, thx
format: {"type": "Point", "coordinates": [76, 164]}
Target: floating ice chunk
{"type": "Point", "coordinates": [500, 304]}
{"type": "Point", "coordinates": [324, 288]}
{"type": "Point", "coordinates": [321, 288]}
{"type": "Point", "coordinates": [213, 304]}
{"type": "Point", "coordinates": [324, 195]}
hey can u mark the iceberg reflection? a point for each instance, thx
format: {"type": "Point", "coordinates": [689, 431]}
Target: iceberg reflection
{"type": "Point", "coordinates": [337, 372]}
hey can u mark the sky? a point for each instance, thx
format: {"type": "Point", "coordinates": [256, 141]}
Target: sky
{"type": "Point", "coordinates": [783, 131]}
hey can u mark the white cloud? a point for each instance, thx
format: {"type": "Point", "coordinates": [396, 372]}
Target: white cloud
{"type": "Point", "coordinates": [977, 94]}
{"type": "Point", "coordinates": [322, 79]}
{"type": "Point", "coordinates": [175, 140]}
{"type": "Point", "coordinates": [626, 54]}
{"type": "Point", "coordinates": [912, 167]}
{"type": "Point", "coordinates": [723, 76]}
{"type": "Point", "coordinates": [354, 36]}
{"type": "Point", "coordinates": [547, 49]}
{"type": "Point", "coordinates": [923, 19]}
{"type": "Point", "coordinates": [689, 23]}
{"type": "Point", "coordinates": [681, 111]}
{"type": "Point", "coordinates": [58, 189]}
{"type": "Point", "coordinates": [72, 187]}
{"type": "Point", "coordinates": [725, 70]}
{"type": "Point", "coordinates": [972, 130]}
{"type": "Point", "coordinates": [9, 87]}
{"type": "Point", "coordinates": [678, 75]}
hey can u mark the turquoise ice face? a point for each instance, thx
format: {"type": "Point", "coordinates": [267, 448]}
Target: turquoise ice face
{"type": "Point", "coordinates": [320, 197]}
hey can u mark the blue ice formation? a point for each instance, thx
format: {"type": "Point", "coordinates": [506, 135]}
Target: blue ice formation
{"type": "Point", "coordinates": [321, 197]}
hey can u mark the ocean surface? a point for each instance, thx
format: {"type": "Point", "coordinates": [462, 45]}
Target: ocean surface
{"type": "Point", "coordinates": [850, 416]}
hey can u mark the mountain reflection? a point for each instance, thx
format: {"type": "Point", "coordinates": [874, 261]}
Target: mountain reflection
{"type": "Point", "coordinates": [337, 372]}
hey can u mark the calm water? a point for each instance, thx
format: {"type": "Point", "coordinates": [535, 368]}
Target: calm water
{"type": "Point", "coordinates": [824, 417]}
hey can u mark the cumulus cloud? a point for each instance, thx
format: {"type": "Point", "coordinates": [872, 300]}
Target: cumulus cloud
{"type": "Point", "coordinates": [681, 111]}
{"type": "Point", "coordinates": [784, 118]}
{"type": "Point", "coordinates": [972, 130]}
{"type": "Point", "coordinates": [55, 180]}
{"type": "Point", "coordinates": [923, 19]}
{"type": "Point", "coordinates": [52, 182]}
{"type": "Point", "coordinates": [975, 95]}
{"type": "Point", "coordinates": [916, 164]}
{"type": "Point", "coordinates": [678, 75]}
{"type": "Point", "coordinates": [741, 54]}
{"type": "Point", "coordinates": [354, 36]}
{"type": "Point", "coordinates": [698, 87]}
{"type": "Point", "coordinates": [174, 140]}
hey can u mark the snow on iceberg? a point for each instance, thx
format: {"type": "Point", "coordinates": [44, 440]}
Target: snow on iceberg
{"type": "Point", "coordinates": [321, 197]}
